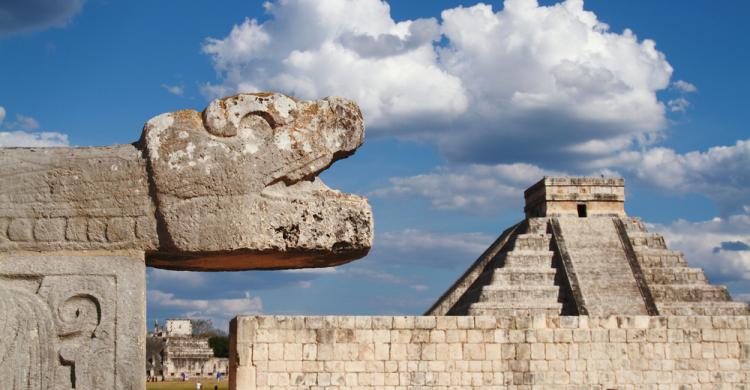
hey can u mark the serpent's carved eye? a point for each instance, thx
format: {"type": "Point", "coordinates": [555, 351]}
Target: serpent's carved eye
{"type": "Point", "coordinates": [224, 118]}
{"type": "Point", "coordinates": [266, 116]}
{"type": "Point", "coordinates": [261, 123]}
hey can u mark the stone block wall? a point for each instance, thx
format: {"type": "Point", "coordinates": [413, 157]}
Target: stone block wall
{"type": "Point", "coordinates": [541, 352]}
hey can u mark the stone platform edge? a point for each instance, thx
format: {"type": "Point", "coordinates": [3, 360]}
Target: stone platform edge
{"type": "Point", "coordinates": [399, 352]}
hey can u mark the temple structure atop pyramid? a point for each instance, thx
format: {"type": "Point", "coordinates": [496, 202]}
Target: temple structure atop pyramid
{"type": "Point", "coordinates": [578, 253]}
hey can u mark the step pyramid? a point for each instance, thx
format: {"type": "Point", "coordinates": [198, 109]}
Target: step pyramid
{"type": "Point", "coordinates": [578, 253]}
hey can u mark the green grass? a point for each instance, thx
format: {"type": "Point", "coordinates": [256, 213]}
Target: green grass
{"type": "Point", "coordinates": [208, 384]}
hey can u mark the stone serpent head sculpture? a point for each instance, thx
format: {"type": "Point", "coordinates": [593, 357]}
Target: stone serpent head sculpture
{"type": "Point", "coordinates": [232, 188]}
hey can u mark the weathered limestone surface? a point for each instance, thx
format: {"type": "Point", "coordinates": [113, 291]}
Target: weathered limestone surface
{"type": "Point", "coordinates": [234, 187]}
{"type": "Point", "coordinates": [72, 320]}
{"type": "Point", "coordinates": [75, 199]}
{"type": "Point", "coordinates": [558, 196]}
{"type": "Point", "coordinates": [605, 279]}
{"type": "Point", "coordinates": [537, 352]}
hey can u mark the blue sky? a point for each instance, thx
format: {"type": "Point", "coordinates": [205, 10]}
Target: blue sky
{"type": "Point", "coordinates": [466, 105]}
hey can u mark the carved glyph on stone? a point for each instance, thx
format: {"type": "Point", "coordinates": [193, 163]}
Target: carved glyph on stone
{"type": "Point", "coordinates": [71, 321]}
{"type": "Point", "coordinates": [234, 187]}
{"type": "Point", "coordinates": [83, 310]}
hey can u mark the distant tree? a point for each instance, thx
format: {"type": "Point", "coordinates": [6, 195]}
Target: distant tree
{"type": "Point", "coordinates": [205, 328]}
{"type": "Point", "coordinates": [201, 327]}
{"type": "Point", "coordinates": [220, 345]}
{"type": "Point", "coordinates": [217, 338]}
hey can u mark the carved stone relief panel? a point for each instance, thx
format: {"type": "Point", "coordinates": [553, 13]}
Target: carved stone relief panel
{"type": "Point", "coordinates": [72, 321]}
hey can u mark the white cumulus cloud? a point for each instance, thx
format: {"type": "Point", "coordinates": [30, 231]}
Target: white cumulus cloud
{"type": "Point", "coordinates": [720, 173]}
{"type": "Point", "coordinates": [177, 90]}
{"type": "Point", "coordinates": [36, 139]}
{"type": "Point", "coordinates": [421, 241]}
{"type": "Point", "coordinates": [485, 85]}
{"type": "Point", "coordinates": [717, 246]}
{"type": "Point", "coordinates": [218, 310]}
{"type": "Point", "coordinates": [354, 49]}
{"type": "Point", "coordinates": [20, 133]}
{"type": "Point", "coordinates": [685, 86]}
{"type": "Point", "coordinates": [475, 188]}
{"type": "Point", "coordinates": [678, 105]}
{"type": "Point", "coordinates": [24, 122]}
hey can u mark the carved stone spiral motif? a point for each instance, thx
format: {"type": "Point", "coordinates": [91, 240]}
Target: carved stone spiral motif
{"type": "Point", "coordinates": [71, 318]}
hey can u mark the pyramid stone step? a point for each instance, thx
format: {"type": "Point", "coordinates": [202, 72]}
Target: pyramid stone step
{"type": "Point", "coordinates": [495, 293]}
{"type": "Point", "coordinates": [513, 312]}
{"type": "Point", "coordinates": [533, 241]}
{"type": "Point", "coordinates": [537, 225]}
{"type": "Point", "coordinates": [660, 258]}
{"type": "Point", "coordinates": [618, 283]}
{"type": "Point", "coordinates": [674, 275]}
{"type": "Point", "coordinates": [645, 239]}
{"type": "Point", "coordinates": [517, 277]}
{"type": "Point", "coordinates": [514, 308]}
{"type": "Point", "coordinates": [634, 225]}
{"type": "Point", "coordinates": [529, 259]}
{"type": "Point", "coordinates": [703, 309]}
{"type": "Point", "coordinates": [688, 293]}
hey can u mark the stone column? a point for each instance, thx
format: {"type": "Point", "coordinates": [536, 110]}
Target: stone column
{"type": "Point", "coordinates": [72, 320]}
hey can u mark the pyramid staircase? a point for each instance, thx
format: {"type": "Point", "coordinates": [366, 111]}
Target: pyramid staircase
{"type": "Point", "coordinates": [528, 275]}
{"type": "Point", "coordinates": [522, 279]}
{"type": "Point", "coordinates": [606, 282]}
{"type": "Point", "coordinates": [676, 288]}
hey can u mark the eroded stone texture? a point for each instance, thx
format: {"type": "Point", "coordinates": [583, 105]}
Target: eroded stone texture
{"type": "Point", "coordinates": [72, 320]}
{"type": "Point", "coordinates": [561, 196]}
{"type": "Point", "coordinates": [69, 198]}
{"type": "Point", "coordinates": [246, 182]}
{"type": "Point", "coordinates": [232, 188]}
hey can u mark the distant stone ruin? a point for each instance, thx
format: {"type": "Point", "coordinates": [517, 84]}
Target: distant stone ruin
{"type": "Point", "coordinates": [173, 353]}
{"type": "Point", "coordinates": [232, 188]}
